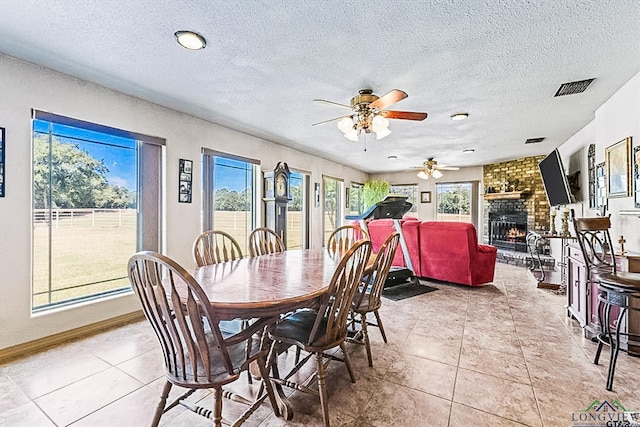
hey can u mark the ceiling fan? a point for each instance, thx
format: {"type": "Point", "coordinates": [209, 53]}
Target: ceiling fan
{"type": "Point", "coordinates": [369, 114]}
{"type": "Point", "coordinates": [431, 169]}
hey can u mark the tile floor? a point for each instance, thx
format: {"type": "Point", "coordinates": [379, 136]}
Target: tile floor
{"type": "Point", "coordinates": [500, 355]}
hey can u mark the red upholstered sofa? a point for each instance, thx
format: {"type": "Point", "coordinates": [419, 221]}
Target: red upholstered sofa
{"type": "Point", "coordinates": [447, 251]}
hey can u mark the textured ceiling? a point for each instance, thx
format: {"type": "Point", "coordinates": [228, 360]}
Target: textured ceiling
{"type": "Point", "coordinates": [500, 61]}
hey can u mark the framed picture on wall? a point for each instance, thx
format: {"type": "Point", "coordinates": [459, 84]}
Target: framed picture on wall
{"type": "Point", "coordinates": [425, 197]}
{"type": "Point", "coordinates": [636, 177]}
{"type": "Point", "coordinates": [2, 162]}
{"type": "Point", "coordinates": [184, 182]}
{"type": "Point", "coordinates": [618, 168]}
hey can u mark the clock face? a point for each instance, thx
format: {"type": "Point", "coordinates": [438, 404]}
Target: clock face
{"type": "Point", "coordinates": [281, 185]}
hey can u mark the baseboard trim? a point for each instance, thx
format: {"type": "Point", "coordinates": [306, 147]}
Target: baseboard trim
{"type": "Point", "coordinates": [44, 343]}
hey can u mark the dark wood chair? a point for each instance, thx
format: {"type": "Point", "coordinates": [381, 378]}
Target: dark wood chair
{"type": "Point", "coordinates": [321, 329]}
{"type": "Point", "coordinates": [263, 241]}
{"type": "Point", "coordinates": [619, 292]}
{"type": "Point", "coordinates": [368, 298]}
{"type": "Point", "coordinates": [342, 238]}
{"type": "Point", "coordinates": [215, 246]}
{"type": "Point", "coordinates": [196, 353]}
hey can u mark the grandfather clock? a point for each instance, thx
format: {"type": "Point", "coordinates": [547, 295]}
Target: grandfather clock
{"type": "Point", "coordinates": [276, 196]}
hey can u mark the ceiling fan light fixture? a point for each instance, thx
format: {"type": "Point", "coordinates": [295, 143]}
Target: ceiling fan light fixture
{"type": "Point", "coordinates": [423, 175]}
{"type": "Point", "coordinates": [379, 124]}
{"type": "Point", "coordinates": [459, 116]}
{"type": "Point", "coordinates": [190, 40]}
{"type": "Point", "coordinates": [352, 135]}
{"type": "Point", "coordinates": [436, 173]}
{"type": "Point", "coordinates": [345, 125]}
{"type": "Point", "coordinates": [382, 133]}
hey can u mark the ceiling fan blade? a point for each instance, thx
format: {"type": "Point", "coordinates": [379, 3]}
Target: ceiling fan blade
{"type": "Point", "coordinates": [404, 115]}
{"type": "Point", "coordinates": [447, 168]}
{"type": "Point", "coordinates": [330, 120]}
{"type": "Point", "coordinates": [389, 99]}
{"type": "Point", "coordinates": [324, 101]}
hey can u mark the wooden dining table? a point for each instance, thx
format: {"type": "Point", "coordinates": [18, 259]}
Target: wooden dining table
{"type": "Point", "coordinates": [267, 285]}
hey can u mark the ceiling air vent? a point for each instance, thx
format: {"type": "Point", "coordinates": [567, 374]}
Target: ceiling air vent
{"type": "Point", "coordinates": [534, 140]}
{"type": "Point", "coordinates": [572, 88]}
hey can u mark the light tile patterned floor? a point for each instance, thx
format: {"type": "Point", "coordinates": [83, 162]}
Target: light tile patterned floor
{"type": "Point", "coordinates": [500, 355]}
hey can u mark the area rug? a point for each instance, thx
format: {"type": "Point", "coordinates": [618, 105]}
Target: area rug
{"type": "Point", "coordinates": [400, 292]}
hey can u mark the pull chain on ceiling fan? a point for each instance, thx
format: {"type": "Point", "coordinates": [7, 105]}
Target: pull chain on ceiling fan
{"type": "Point", "coordinates": [369, 114]}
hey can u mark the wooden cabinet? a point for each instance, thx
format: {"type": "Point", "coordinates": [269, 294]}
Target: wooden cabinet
{"type": "Point", "coordinates": [582, 292]}
{"type": "Point", "coordinates": [577, 291]}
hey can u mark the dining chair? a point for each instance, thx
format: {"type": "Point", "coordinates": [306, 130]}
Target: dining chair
{"type": "Point", "coordinates": [263, 241]}
{"type": "Point", "coordinates": [368, 298]}
{"type": "Point", "coordinates": [215, 246]}
{"type": "Point", "coordinates": [323, 328]}
{"type": "Point", "coordinates": [342, 238]}
{"type": "Point", "coordinates": [618, 292]}
{"type": "Point", "coordinates": [196, 353]}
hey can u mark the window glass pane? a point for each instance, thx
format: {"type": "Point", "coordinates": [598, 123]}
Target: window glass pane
{"type": "Point", "coordinates": [85, 202]}
{"type": "Point", "coordinates": [356, 202]}
{"type": "Point", "coordinates": [332, 188]}
{"type": "Point", "coordinates": [296, 213]}
{"type": "Point", "coordinates": [454, 202]}
{"type": "Point", "coordinates": [233, 198]}
{"type": "Point", "coordinates": [409, 190]}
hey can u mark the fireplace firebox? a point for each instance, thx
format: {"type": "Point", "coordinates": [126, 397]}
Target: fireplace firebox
{"type": "Point", "coordinates": [508, 231]}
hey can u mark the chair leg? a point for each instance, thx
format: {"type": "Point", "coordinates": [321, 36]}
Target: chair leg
{"type": "Point", "coordinates": [322, 389]}
{"type": "Point", "coordinates": [596, 359]}
{"type": "Point", "coordinates": [347, 361]}
{"type": "Point", "coordinates": [217, 407]}
{"type": "Point", "coordinates": [379, 320]}
{"type": "Point", "coordinates": [365, 337]}
{"type": "Point", "coordinates": [163, 401]}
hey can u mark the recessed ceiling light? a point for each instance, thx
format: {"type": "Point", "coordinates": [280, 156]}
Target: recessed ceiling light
{"type": "Point", "coordinates": [468, 150]}
{"type": "Point", "coordinates": [190, 40]}
{"type": "Point", "coordinates": [392, 157]}
{"type": "Point", "coordinates": [459, 116]}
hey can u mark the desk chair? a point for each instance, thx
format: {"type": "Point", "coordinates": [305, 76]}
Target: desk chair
{"type": "Point", "coordinates": [196, 353]}
{"type": "Point", "coordinates": [368, 298]}
{"type": "Point", "coordinates": [214, 246]}
{"type": "Point", "coordinates": [318, 330]}
{"type": "Point", "coordinates": [619, 292]}
{"type": "Point", "coordinates": [263, 241]}
{"type": "Point", "coordinates": [342, 238]}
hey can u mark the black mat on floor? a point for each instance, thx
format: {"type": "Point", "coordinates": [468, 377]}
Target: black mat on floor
{"type": "Point", "coordinates": [399, 292]}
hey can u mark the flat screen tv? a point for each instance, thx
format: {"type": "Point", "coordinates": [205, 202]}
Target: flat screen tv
{"type": "Point", "coordinates": [555, 180]}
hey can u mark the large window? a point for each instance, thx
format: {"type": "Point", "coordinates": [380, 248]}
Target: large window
{"type": "Point", "coordinates": [332, 206]}
{"type": "Point", "coordinates": [228, 187]}
{"type": "Point", "coordinates": [457, 202]}
{"type": "Point", "coordinates": [409, 190]}
{"type": "Point", "coordinates": [297, 212]}
{"type": "Point", "coordinates": [89, 216]}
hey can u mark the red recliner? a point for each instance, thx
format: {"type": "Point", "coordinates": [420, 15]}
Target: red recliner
{"type": "Point", "coordinates": [449, 251]}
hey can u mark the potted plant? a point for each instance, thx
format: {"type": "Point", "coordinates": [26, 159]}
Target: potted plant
{"type": "Point", "coordinates": [374, 191]}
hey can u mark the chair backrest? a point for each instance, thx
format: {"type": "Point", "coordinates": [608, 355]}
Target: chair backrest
{"type": "Point", "coordinates": [181, 316]}
{"type": "Point", "coordinates": [263, 241]}
{"type": "Point", "coordinates": [336, 305]}
{"type": "Point", "coordinates": [342, 238]}
{"type": "Point", "coordinates": [214, 246]}
{"type": "Point", "coordinates": [374, 282]}
{"type": "Point", "coordinates": [595, 242]}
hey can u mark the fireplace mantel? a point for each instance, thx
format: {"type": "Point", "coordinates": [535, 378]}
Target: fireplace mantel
{"type": "Point", "coordinates": [506, 195]}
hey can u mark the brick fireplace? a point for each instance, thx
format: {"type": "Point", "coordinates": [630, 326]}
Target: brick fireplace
{"type": "Point", "coordinates": [515, 202]}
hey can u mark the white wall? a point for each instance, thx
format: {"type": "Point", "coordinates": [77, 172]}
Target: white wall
{"type": "Point", "coordinates": [616, 119]}
{"type": "Point", "coordinates": [23, 87]}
